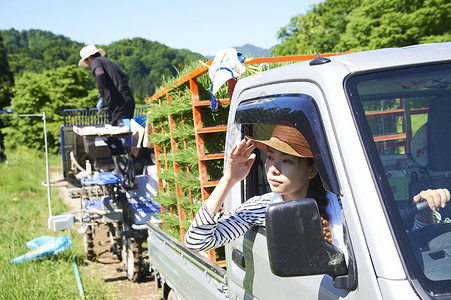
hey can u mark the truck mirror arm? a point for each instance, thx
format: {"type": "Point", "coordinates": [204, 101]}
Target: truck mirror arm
{"type": "Point", "coordinates": [296, 245]}
{"type": "Point", "coordinates": [347, 281]}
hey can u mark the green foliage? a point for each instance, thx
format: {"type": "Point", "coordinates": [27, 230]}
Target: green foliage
{"type": "Point", "coordinates": [171, 225]}
{"type": "Point", "coordinates": [188, 157]}
{"type": "Point", "coordinates": [318, 31]}
{"type": "Point", "coordinates": [166, 200]}
{"type": "Point", "coordinates": [189, 182]}
{"type": "Point", "coordinates": [161, 111]}
{"type": "Point", "coordinates": [6, 79]}
{"type": "Point", "coordinates": [37, 50]}
{"type": "Point", "coordinates": [184, 131]}
{"type": "Point", "coordinates": [50, 92]}
{"type": "Point", "coordinates": [355, 25]}
{"type": "Point", "coordinates": [23, 202]}
{"type": "Point", "coordinates": [381, 24]}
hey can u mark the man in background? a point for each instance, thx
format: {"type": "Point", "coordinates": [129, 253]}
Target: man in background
{"type": "Point", "coordinates": [114, 89]}
{"type": "Point", "coordinates": [111, 82]}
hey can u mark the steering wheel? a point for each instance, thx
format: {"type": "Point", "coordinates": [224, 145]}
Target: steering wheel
{"type": "Point", "coordinates": [430, 244]}
{"type": "Point", "coordinates": [422, 236]}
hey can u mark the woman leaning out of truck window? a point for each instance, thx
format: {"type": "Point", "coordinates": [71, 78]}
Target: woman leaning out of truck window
{"type": "Point", "coordinates": [291, 173]}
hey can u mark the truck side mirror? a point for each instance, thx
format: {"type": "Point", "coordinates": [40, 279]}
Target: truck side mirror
{"type": "Point", "coordinates": [296, 244]}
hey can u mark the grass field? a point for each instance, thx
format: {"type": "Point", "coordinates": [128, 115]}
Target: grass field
{"type": "Point", "coordinates": [23, 217]}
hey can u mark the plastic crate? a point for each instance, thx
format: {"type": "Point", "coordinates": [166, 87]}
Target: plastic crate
{"type": "Point", "coordinates": [104, 204]}
{"type": "Point", "coordinates": [103, 179]}
{"type": "Point", "coordinates": [141, 210]}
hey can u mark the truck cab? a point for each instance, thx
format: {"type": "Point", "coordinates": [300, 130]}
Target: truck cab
{"type": "Point", "coordinates": [378, 124]}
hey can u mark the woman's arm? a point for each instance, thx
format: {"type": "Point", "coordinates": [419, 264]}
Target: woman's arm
{"type": "Point", "coordinates": [207, 231]}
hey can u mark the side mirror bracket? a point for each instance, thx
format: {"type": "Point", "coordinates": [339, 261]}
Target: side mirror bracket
{"type": "Point", "coordinates": [348, 281]}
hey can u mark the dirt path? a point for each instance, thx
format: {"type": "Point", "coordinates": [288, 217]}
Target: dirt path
{"type": "Point", "coordinates": [107, 265]}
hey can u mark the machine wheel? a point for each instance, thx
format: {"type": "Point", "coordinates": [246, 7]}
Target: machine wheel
{"type": "Point", "coordinates": [115, 240]}
{"type": "Point", "coordinates": [133, 258]}
{"type": "Point", "coordinates": [123, 251]}
{"type": "Point", "coordinates": [129, 259]}
{"type": "Point", "coordinates": [88, 242]}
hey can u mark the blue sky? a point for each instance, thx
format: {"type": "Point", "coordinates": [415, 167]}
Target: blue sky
{"type": "Point", "coordinates": [201, 26]}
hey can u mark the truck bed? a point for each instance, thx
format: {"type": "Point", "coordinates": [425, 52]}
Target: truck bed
{"type": "Point", "coordinates": [189, 274]}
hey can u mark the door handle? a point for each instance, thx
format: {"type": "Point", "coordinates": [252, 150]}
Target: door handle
{"type": "Point", "coordinates": [238, 258]}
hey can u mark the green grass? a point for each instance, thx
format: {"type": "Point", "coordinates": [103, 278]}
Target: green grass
{"type": "Point", "coordinates": [23, 217]}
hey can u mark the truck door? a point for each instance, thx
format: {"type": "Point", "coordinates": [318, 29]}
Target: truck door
{"type": "Point", "coordinates": [248, 265]}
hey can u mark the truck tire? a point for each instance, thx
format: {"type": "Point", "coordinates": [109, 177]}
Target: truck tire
{"type": "Point", "coordinates": [172, 295]}
{"type": "Point", "coordinates": [157, 280]}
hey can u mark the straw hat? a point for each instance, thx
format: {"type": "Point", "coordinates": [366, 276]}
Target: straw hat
{"type": "Point", "coordinates": [86, 52]}
{"type": "Point", "coordinates": [285, 139]}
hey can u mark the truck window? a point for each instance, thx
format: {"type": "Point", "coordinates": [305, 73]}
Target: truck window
{"type": "Point", "coordinates": [258, 117]}
{"type": "Point", "coordinates": [404, 118]}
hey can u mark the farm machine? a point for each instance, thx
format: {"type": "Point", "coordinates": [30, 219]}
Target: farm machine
{"type": "Point", "coordinates": [113, 190]}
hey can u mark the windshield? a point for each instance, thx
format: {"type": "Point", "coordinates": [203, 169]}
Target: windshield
{"type": "Point", "coordinates": [404, 117]}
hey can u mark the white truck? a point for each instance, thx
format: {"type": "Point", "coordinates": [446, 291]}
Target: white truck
{"type": "Point", "coordinates": [379, 125]}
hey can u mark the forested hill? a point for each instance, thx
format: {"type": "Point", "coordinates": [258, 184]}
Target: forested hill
{"type": "Point", "coordinates": [144, 62]}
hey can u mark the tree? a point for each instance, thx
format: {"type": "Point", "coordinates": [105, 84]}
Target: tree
{"type": "Point", "coordinates": [6, 78]}
{"type": "Point", "coordinates": [37, 50]}
{"type": "Point", "coordinates": [318, 31]}
{"type": "Point", "coordinates": [50, 92]}
{"type": "Point", "coordinates": [380, 24]}
{"type": "Point", "coordinates": [6, 83]}
{"type": "Point", "coordinates": [355, 25]}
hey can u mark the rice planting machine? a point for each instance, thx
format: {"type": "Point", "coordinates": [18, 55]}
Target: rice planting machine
{"type": "Point", "coordinates": [112, 190]}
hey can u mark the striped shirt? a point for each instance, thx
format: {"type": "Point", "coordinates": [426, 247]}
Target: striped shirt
{"type": "Point", "coordinates": [209, 232]}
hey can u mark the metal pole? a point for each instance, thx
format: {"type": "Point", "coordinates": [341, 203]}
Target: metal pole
{"type": "Point", "coordinates": [47, 165]}
{"type": "Point", "coordinates": [46, 157]}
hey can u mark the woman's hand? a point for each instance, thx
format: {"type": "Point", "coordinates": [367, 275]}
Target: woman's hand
{"type": "Point", "coordinates": [436, 198]}
{"type": "Point", "coordinates": [239, 164]}
{"type": "Point", "coordinates": [240, 161]}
